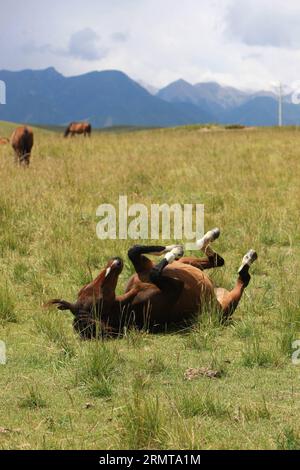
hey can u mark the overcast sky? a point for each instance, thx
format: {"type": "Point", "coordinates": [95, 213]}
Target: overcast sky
{"type": "Point", "coordinates": [236, 42]}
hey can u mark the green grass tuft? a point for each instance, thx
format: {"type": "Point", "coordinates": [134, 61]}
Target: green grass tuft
{"type": "Point", "coordinates": [32, 399]}
{"type": "Point", "coordinates": [97, 367]}
{"type": "Point", "coordinates": [7, 305]}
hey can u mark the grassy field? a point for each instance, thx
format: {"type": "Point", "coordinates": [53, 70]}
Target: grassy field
{"type": "Point", "coordinates": [58, 392]}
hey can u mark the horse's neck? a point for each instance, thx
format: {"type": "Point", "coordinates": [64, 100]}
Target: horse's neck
{"type": "Point", "coordinates": [119, 306]}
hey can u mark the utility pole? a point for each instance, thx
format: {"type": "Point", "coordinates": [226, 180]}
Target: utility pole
{"type": "Point", "coordinates": [279, 90]}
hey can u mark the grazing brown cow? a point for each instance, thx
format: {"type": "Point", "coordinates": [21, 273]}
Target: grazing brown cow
{"type": "Point", "coordinates": [171, 292]}
{"type": "Point", "coordinates": [22, 143]}
{"type": "Point", "coordinates": [4, 140]}
{"type": "Point", "coordinates": [78, 128]}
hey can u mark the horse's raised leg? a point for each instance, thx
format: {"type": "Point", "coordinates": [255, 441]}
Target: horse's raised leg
{"type": "Point", "coordinates": [171, 287]}
{"type": "Point", "coordinates": [212, 259]}
{"type": "Point", "coordinates": [230, 300]}
{"type": "Point", "coordinates": [140, 262]}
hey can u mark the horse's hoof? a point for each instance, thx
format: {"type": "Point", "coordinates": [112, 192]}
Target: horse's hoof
{"type": "Point", "coordinates": [175, 253]}
{"type": "Point", "coordinates": [178, 251]}
{"type": "Point", "coordinates": [248, 259]}
{"type": "Point", "coordinates": [208, 238]}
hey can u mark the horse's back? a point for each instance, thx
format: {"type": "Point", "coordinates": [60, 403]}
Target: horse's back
{"type": "Point", "coordinates": [22, 138]}
{"type": "Point", "coordinates": [80, 127]}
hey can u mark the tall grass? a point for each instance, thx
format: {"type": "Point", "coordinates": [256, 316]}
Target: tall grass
{"type": "Point", "coordinates": [7, 305]}
{"type": "Point", "coordinates": [288, 439]}
{"type": "Point", "coordinates": [256, 353]}
{"type": "Point", "coordinates": [97, 367]}
{"type": "Point", "coordinates": [205, 331]}
{"type": "Point", "coordinates": [195, 403]}
{"type": "Point", "coordinates": [143, 421]}
{"type": "Point", "coordinates": [32, 399]}
{"type": "Point", "coordinates": [53, 327]}
{"type": "Point", "coordinates": [131, 392]}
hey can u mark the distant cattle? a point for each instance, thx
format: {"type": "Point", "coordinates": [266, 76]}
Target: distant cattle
{"type": "Point", "coordinates": [4, 140]}
{"type": "Point", "coordinates": [22, 143]}
{"type": "Point", "coordinates": [78, 128]}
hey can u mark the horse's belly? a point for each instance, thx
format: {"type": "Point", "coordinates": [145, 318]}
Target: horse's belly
{"type": "Point", "coordinates": [198, 291]}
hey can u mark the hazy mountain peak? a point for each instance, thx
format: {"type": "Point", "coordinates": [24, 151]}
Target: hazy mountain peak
{"type": "Point", "coordinates": [51, 70]}
{"type": "Point", "coordinates": [179, 91]}
{"type": "Point", "coordinates": [181, 82]}
{"type": "Point", "coordinates": [211, 92]}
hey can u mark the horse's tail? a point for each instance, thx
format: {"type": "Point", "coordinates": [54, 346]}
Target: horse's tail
{"type": "Point", "coordinates": [67, 131]}
{"type": "Point", "coordinates": [62, 305]}
{"type": "Point", "coordinates": [27, 143]}
{"type": "Point", "coordinates": [89, 129]}
{"type": "Point", "coordinates": [27, 146]}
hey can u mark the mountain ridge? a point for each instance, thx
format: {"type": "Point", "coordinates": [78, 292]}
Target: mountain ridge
{"type": "Point", "coordinates": [111, 98]}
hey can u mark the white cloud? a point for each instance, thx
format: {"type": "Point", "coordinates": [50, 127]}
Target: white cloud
{"type": "Point", "coordinates": [272, 23]}
{"type": "Point", "coordinates": [85, 44]}
{"type": "Point", "coordinates": [236, 42]}
{"type": "Point", "coordinates": [120, 37]}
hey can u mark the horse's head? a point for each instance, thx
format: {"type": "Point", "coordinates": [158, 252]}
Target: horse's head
{"type": "Point", "coordinates": [109, 278]}
{"type": "Point", "coordinates": [95, 301]}
{"type": "Point", "coordinates": [102, 289]}
{"type": "Point", "coordinates": [95, 306]}
{"type": "Point", "coordinates": [67, 132]}
{"type": "Point", "coordinates": [100, 293]}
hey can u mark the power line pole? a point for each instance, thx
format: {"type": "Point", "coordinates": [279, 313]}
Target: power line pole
{"type": "Point", "coordinates": [279, 91]}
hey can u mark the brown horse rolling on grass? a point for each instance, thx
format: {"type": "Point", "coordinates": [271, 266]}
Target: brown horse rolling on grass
{"type": "Point", "coordinates": [78, 128]}
{"type": "Point", "coordinates": [22, 143]}
{"type": "Point", "coordinates": [171, 292]}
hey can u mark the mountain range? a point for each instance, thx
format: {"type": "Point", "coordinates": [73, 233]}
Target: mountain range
{"type": "Point", "coordinates": [112, 98]}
